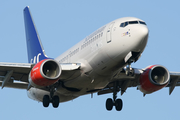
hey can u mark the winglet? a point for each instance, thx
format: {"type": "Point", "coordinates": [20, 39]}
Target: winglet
{"type": "Point", "coordinates": [34, 47]}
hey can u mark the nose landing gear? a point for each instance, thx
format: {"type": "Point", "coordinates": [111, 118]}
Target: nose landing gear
{"type": "Point", "coordinates": [130, 58]}
{"type": "Point", "coordinates": [129, 70]}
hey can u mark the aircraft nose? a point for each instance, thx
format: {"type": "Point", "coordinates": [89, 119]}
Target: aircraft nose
{"type": "Point", "coordinates": [143, 33]}
{"type": "Point", "coordinates": [139, 37]}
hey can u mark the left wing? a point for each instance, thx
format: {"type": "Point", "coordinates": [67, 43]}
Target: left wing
{"type": "Point", "coordinates": [120, 81]}
{"type": "Point", "coordinates": [174, 81]}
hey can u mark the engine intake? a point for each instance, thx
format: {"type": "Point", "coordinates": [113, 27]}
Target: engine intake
{"type": "Point", "coordinates": [159, 75]}
{"type": "Point", "coordinates": [50, 69]}
{"type": "Point", "coordinates": [45, 73]}
{"type": "Point", "coordinates": [153, 78]}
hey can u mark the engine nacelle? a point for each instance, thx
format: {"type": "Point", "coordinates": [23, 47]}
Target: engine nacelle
{"type": "Point", "coordinates": [153, 78]}
{"type": "Point", "coordinates": [45, 73]}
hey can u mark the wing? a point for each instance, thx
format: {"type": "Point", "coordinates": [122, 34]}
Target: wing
{"type": "Point", "coordinates": [15, 75]}
{"type": "Point", "coordinates": [174, 81]}
{"type": "Point", "coordinates": [120, 82]}
{"type": "Point", "coordinates": [9, 72]}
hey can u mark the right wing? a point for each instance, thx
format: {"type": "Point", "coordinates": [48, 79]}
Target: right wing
{"type": "Point", "coordinates": [9, 72]}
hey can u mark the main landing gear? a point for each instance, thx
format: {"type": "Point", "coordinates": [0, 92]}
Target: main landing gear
{"type": "Point", "coordinates": [51, 99]}
{"type": "Point", "coordinates": [114, 102]}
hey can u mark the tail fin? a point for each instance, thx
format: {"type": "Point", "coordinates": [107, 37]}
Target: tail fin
{"type": "Point", "coordinates": [34, 47]}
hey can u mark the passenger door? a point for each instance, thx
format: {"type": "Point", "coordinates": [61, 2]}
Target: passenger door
{"type": "Point", "coordinates": [108, 34]}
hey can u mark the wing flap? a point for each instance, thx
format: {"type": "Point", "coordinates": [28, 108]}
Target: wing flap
{"type": "Point", "coordinates": [18, 85]}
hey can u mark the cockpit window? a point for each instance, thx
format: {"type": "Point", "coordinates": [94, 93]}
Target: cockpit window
{"type": "Point", "coordinates": [124, 24]}
{"type": "Point", "coordinates": [141, 22]}
{"type": "Point", "coordinates": [133, 22]}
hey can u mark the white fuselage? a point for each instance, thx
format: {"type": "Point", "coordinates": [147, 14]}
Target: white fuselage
{"type": "Point", "coordinates": [101, 55]}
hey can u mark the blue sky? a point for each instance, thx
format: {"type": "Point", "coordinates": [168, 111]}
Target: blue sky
{"type": "Point", "coordinates": [61, 24]}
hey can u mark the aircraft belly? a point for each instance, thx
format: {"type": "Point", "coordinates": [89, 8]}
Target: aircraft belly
{"type": "Point", "coordinates": [85, 84]}
{"type": "Point", "coordinates": [38, 94]}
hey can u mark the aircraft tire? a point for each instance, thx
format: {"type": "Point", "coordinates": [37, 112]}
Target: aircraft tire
{"type": "Point", "coordinates": [109, 104]}
{"type": "Point", "coordinates": [46, 100]}
{"type": "Point", "coordinates": [118, 104]}
{"type": "Point", "coordinates": [55, 101]}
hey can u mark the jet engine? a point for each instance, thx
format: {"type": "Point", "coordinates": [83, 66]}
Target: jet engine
{"type": "Point", "coordinates": [153, 78]}
{"type": "Point", "coordinates": [45, 73]}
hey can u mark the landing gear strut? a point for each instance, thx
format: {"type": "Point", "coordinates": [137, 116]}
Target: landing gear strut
{"type": "Point", "coordinates": [114, 102]}
{"type": "Point", "coordinates": [129, 70]}
{"type": "Point", "coordinates": [51, 99]}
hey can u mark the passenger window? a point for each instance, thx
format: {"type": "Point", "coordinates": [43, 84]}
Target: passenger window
{"type": "Point", "coordinates": [101, 34]}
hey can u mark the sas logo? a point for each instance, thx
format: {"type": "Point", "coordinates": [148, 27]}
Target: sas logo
{"type": "Point", "coordinates": [36, 59]}
{"type": "Point", "coordinates": [124, 34]}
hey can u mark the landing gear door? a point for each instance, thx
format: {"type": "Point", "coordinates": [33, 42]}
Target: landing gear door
{"type": "Point", "coordinates": [108, 34]}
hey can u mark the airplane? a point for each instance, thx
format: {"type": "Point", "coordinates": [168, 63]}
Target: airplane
{"type": "Point", "coordinates": [100, 63]}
